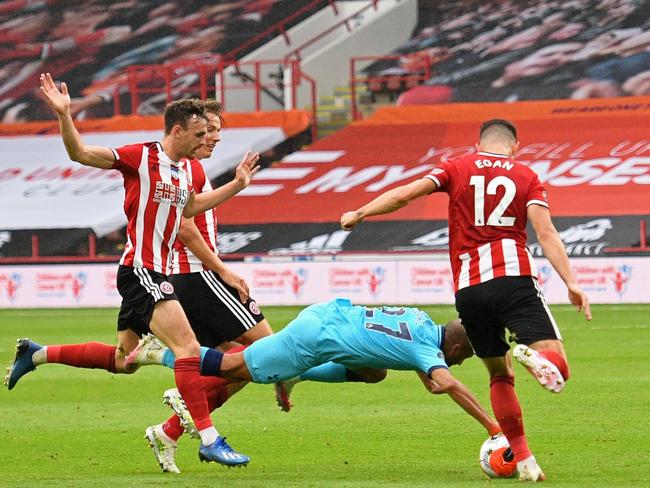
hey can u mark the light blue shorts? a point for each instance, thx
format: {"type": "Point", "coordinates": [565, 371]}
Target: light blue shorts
{"type": "Point", "coordinates": [290, 352]}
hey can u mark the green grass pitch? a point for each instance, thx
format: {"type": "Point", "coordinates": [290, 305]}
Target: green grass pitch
{"type": "Point", "coordinates": [66, 427]}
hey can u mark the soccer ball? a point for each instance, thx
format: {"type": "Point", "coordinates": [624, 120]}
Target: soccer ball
{"type": "Point", "coordinates": [496, 458]}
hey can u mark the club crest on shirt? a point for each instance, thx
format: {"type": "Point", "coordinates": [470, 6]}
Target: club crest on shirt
{"type": "Point", "coordinates": [166, 287]}
{"type": "Point", "coordinates": [255, 310]}
{"type": "Point", "coordinates": [174, 172]}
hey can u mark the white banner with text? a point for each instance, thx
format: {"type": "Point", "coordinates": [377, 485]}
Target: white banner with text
{"type": "Point", "coordinates": [423, 282]}
{"type": "Point", "coordinates": [45, 190]}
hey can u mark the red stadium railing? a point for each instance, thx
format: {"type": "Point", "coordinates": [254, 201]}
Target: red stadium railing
{"type": "Point", "coordinates": [93, 257]}
{"type": "Point", "coordinates": [207, 77]}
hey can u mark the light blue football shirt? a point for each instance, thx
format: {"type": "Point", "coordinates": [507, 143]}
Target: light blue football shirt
{"type": "Point", "coordinates": [385, 337]}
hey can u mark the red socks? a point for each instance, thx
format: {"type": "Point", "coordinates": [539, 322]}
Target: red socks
{"type": "Point", "coordinates": [507, 411]}
{"type": "Point", "coordinates": [173, 428]}
{"type": "Point", "coordinates": [216, 392]}
{"type": "Point", "coordinates": [189, 382]}
{"type": "Point", "coordinates": [558, 361]}
{"type": "Point", "coordinates": [88, 355]}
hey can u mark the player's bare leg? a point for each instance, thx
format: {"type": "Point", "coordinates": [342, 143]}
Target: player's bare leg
{"type": "Point", "coordinates": [170, 325]}
{"type": "Point", "coordinates": [225, 346]}
{"type": "Point", "coordinates": [234, 368]}
{"type": "Point", "coordinates": [127, 340]}
{"type": "Point", "coordinates": [367, 375]}
{"type": "Point", "coordinates": [257, 332]}
{"type": "Point", "coordinates": [508, 414]}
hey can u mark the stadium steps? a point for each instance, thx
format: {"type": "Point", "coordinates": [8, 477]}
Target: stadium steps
{"type": "Point", "coordinates": [333, 111]}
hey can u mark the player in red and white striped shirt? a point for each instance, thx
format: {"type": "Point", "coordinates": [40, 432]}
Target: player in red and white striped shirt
{"type": "Point", "coordinates": [491, 198]}
{"type": "Point", "coordinates": [216, 300]}
{"type": "Point", "coordinates": [158, 194]}
{"type": "Point", "coordinates": [488, 200]}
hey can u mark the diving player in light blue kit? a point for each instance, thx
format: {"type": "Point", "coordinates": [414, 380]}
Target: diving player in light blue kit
{"type": "Point", "coordinates": [329, 338]}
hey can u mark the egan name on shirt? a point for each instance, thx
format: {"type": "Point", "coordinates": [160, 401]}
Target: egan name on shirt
{"type": "Point", "coordinates": [488, 163]}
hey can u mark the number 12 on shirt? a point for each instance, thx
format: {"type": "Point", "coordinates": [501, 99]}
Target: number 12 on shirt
{"type": "Point", "coordinates": [496, 218]}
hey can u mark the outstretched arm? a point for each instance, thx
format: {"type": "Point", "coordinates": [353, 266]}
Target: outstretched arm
{"type": "Point", "coordinates": [388, 202]}
{"type": "Point", "coordinates": [190, 235]}
{"type": "Point", "coordinates": [553, 248]}
{"type": "Point", "coordinates": [442, 381]}
{"type": "Point", "coordinates": [59, 101]}
{"type": "Point", "coordinates": [207, 200]}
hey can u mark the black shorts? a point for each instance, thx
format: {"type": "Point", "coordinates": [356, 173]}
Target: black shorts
{"type": "Point", "coordinates": [515, 303]}
{"type": "Point", "coordinates": [141, 289]}
{"type": "Point", "coordinates": [215, 312]}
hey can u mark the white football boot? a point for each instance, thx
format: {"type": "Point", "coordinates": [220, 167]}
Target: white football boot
{"type": "Point", "coordinates": [164, 449]}
{"type": "Point", "coordinates": [541, 368]}
{"type": "Point", "coordinates": [529, 470]}
{"type": "Point", "coordinates": [172, 398]}
{"type": "Point", "coordinates": [148, 351]}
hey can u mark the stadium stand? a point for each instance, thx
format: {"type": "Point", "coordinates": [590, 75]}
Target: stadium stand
{"type": "Point", "coordinates": [496, 50]}
{"type": "Point", "coordinates": [93, 43]}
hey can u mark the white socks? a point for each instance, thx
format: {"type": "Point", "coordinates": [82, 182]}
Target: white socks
{"type": "Point", "coordinates": [208, 436]}
{"type": "Point", "coordinates": [40, 356]}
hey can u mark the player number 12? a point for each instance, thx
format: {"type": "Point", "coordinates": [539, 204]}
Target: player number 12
{"type": "Point", "coordinates": [496, 218]}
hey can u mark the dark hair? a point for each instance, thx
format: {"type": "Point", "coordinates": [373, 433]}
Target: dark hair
{"type": "Point", "coordinates": [455, 333]}
{"type": "Point", "coordinates": [181, 112]}
{"type": "Point", "coordinates": [504, 124]}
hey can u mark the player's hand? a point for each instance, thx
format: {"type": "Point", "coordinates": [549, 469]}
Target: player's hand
{"type": "Point", "coordinates": [246, 169]}
{"type": "Point", "coordinates": [578, 298]}
{"type": "Point", "coordinates": [236, 282]}
{"type": "Point", "coordinates": [59, 101]}
{"type": "Point", "coordinates": [350, 219]}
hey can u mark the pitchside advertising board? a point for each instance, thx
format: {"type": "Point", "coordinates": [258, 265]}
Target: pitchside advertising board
{"type": "Point", "coordinates": [422, 281]}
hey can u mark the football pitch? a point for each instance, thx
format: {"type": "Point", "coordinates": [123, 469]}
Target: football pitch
{"type": "Point", "coordinates": [67, 427]}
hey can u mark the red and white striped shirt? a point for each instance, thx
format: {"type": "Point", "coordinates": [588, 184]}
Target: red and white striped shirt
{"type": "Point", "coordinates": [488, 199]}
{"type": "Point", "coordinates": [183, 261]}
{"type": "Point", "coordinates": [156, 190]}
